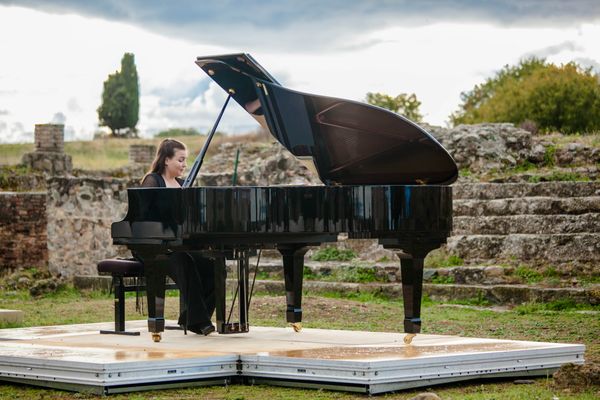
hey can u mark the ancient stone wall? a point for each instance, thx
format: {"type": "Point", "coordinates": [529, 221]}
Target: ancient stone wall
{"type": "Point", "coordinates": [80, 212]}
{"type": "Point", "coordinates": [49, 137]}
{"type": "Point", "coordinates": [141, 153]}
{"type": "Point", "coordinates": [49, 155]}
{"type": "Point", "coordinates": [22, 230]}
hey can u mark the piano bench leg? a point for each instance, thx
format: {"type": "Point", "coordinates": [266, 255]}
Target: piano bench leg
{"type": "Point", "coordinates": [119, 288]}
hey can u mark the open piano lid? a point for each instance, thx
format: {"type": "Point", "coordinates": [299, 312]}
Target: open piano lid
{"type": "Point", "coordinates": [345, 142]}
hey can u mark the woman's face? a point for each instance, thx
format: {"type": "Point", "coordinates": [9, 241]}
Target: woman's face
{"type": "Point", "coordinates": [175, 166]}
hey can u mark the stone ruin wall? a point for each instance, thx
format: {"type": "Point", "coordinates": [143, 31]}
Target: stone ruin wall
{"type": "Point", "coordinates": [49, 156]}
{"type": "Point", "coordinates": [80, 212]}
{"type": "Point", "coordinates": [22, 230]}
{"type": "Point", "coordinates": [77, 212]}
{"type": "Point", "coordinates": [141, 154]}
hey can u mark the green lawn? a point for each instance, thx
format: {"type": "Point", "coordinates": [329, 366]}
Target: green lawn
{"type": "Point", "coordinates": [108, 153]}
{"type": "Point", "coordinates": [373, 314]}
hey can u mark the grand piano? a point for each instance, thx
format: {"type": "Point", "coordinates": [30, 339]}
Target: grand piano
{"type": "Point", "coordinates": [384, 178]}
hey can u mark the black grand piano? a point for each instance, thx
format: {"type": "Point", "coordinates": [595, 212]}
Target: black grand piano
{"type": "Point", "coordinates": [384, 178]}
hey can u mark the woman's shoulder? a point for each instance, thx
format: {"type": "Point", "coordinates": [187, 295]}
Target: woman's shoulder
{"type": "Point", "coordinates": [153, 180]}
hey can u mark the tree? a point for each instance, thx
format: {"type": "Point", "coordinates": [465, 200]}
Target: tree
{"type": "Point", "coordinates": [404, 104]}
{"type": "Point", "coordinates": [556, 98]}
{"type": "Point", "coordinates": [120, 99]}
{"type": "Point", "coordinates": [174, 132]}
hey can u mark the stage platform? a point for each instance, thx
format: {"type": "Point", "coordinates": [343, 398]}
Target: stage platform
{"type": "Point", "coordinates": [78, 357]}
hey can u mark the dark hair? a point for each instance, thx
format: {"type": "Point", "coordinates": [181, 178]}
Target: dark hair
{"type": "Point", "coordinates": [165, 150]}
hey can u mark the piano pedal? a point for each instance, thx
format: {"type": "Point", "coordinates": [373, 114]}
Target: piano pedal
{"type": "Point", "coordinates": [234, 327]}
{"type": "Point", "coordinates": [176, 328]}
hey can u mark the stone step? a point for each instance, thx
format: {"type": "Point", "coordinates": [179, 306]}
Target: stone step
{"type": "Point", "coordinates": [555, 248]}
{"type": "Point", "coordinates": [496, 294]}
{"type": "Point", "coordinates": [389, 271]}
{"type": "Point", "coordinates": [527, 205]}
{"type": "Point", "coordinates": [529, 224]}
{"type": "Point", "coordinates": [488, 191]}
{"type": "Point", "coordinates": [11, 317]}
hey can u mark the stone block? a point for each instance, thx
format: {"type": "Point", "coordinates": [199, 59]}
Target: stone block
{"type": "Point", "coordinates": [11, 316]}
{"type": "Point", "coordinates": [141, 153]}
{"type": "Point", "coordinates": [49, 137]}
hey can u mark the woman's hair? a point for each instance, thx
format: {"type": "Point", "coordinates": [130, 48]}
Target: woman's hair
{"type": "Point", "coordinates": [165, 150]}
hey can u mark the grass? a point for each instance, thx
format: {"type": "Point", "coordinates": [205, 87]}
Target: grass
{"type": "Point", "coordinates": [108, 153]}
{"type": "Point", "coordinates": [554, 322]}
{"type": "Point", "coordinates": [356, 273]}
{"type": "Point", "coordinates": [528, 275]}
{"type": "Point", "coordinates": [442, 280]}
{"type": "Point", "coordinates": [333, 254]}
{"type": "Point", "coordinates": [554, 306]}
{"type": "Point", "coordinates": [438, 258]}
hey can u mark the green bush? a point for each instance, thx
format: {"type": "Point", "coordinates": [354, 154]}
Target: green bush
{"type": "Point", "coordinates": [442, 280]}
{"type": "Point", "coordinates": [357, 274]}
{"type": "Point", "coordinates": [174, 132]}
{"type": "Point", "coordinates": [404, 104]}
{"type": "Point", "coordinates": [562, 98]}
{"type": "Point", "coordinates": [333, 254]}
{"type": "Point", "coordinates": [527, 274]}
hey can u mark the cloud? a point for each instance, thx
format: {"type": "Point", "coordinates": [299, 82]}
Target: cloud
{"type": "Point", "coordinates": [12, 132]}
{"type": "Point", "coordinates": [200, 112]}
{"type": "Point", "coordinates": [58, 118]}
{"type": "Point", "coordinates": [588, 63]}
{"type": "Point", "coordinates": [73, 105]}
{"type": "Point", "coordinates": [4, 112]}
{"type": "Point", "coordinates": [567, 46]}
{"type": "Point", "coordinates": [314, 24]}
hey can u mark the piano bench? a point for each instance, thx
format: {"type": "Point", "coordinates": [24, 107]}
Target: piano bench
{"type": "Point", "coordinates": [120, 269]}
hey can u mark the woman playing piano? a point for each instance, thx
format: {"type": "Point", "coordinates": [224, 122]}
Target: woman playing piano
{"type": "Point", "coordinates": [193, 273]}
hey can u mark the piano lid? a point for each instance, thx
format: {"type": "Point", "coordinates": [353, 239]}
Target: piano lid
{"type": "Point", "coordinates": [345, 142]}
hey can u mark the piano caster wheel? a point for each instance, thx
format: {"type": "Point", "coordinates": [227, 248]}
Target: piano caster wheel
{"type": "Point", "coordinates": [297, 326]}
{"type": "Point", "coordinates": [409, 338]}
{"type": "Point", "coordinates": [156, 337]}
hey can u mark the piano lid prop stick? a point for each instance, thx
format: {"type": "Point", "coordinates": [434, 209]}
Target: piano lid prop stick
{"type": "Point", "coordinates": [189, 180]}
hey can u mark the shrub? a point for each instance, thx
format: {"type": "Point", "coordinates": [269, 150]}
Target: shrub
{"type": "Point", "coordinates": [333, 254]}
{"type": "Point", "coordinates": [527, 274]}
{"type": "Point", "coordinates": [174, 132]}
{"type": "Point", "coordinates": [562, 98]}
{"type": "Point", "coordinates": [404, 104]}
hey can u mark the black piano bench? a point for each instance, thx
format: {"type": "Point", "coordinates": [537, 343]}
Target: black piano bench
{"type": "Point", "coordinates": [120, 269]}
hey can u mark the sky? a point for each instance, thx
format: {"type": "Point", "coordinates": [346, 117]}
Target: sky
{"type": "Point", "coordinates": [56, 54]}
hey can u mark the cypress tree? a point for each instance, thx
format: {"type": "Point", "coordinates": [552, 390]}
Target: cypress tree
{"type": "Point", "coordinates": [120, 99]}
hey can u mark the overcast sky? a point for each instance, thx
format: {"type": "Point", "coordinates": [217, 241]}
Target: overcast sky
{"type": "Point", "coordinates": [56, 54]}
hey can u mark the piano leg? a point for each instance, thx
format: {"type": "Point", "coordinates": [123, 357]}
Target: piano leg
{"type": "Point", "coordinates": [242, 273]}
{"type": "Point", "coordinates": [220, 281]}
{"type": "Point", "coordinates": [412, 288]}
{"type": "Point", "coordinates": [155, 270]}
{"type": "Point", "coordinates": [293, 270]}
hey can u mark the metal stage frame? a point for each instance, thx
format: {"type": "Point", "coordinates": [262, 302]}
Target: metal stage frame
{"type": "Point", "coordinates": [78, 358]}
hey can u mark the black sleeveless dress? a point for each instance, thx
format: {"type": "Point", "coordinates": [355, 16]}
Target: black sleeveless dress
{"type": "Point", "coordinates": [194, 275]}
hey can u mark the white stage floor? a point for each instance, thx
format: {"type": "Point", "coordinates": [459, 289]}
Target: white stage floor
{"type": "Point", "coordinates": [78, 357]}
